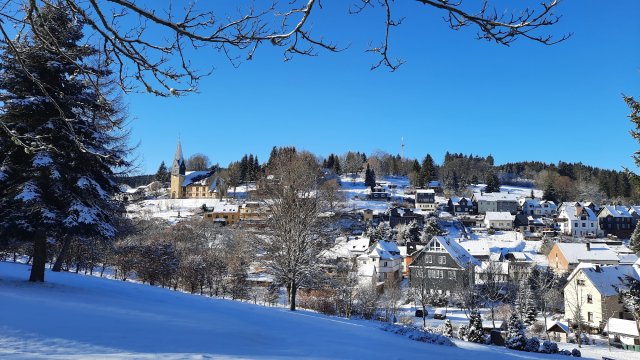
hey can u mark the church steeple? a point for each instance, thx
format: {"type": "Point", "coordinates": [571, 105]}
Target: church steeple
{"type": "Point", "coordinates": [179, 167]}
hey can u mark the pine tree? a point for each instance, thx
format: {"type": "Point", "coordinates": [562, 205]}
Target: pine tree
{"type": "Point", "coordinates": [428, 170]}
{"type": "Point", "coordinates": [63, 191]}
{"type": "Point", "coordinates": [474, 179]}
{"type": "Point", "coordinates": [162, 175]}
{"type": "Point", "coordinates": [475, 333]}
{"type": "Point", "coordinates": [336, 166]}
{"type": "Point", "coordinates": [369, 177]}
{"type": "Point", "coordinates": [525, 306]}
{"type": "Point", "coordinates": [634, 243]}
{"type": "Point", "coordinates": [516, 338]}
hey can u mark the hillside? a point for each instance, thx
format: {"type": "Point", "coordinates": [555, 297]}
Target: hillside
{"type": "Point", "coordinates": [76, 316]}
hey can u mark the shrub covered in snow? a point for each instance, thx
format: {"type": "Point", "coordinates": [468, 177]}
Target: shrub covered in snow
{"type": "Point", "coordinates": [418, 335]}
{"type": "Point", "coordinates": [447, 329]}
{"type": "Point", "coordinates": [532, 345]}
{"type": "Point", "coordinates": [576, 353]}
{"type": "Point", "coordinates": [462, 332]}
{"type": "Point", "coordinates": [549, 347]}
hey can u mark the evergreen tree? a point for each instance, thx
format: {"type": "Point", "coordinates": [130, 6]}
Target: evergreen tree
{"type": "Point", "coordinates": [525, 306]}
{"type": "Point", "coordinates": [336, 166]}
{"type": "Point", "coordinates": [475, 333]}
{"type": "Point", "coordinates": [550, 193]}
{"type": "Point", "coordinates": [369, 177]}
{"type": "Point", "coordinates": [532, 196]}
{"type": "Point", "coordinates": [474, 179]}
{"type": "Point", "coordinates": [64, 190]}
{"type": "Point", "coordinates": [162, 175]}
{"type": "Point", "coordinates": [490, 160]}
{"type": "Point", "coordinates": [634, 243]}
{"type": "Point", "coordinates": [516, 338]}
{"type": "Point", "coordinates": [493, 183]}
{"type": "Point", "coordinates": [431, 228]}
{"type": "Point", "coordinates": [428, 170]}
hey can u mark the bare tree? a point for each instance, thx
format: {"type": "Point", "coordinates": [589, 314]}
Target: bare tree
{"type": "Point", "coordinates": [198, 162]}
{"type": "Point", "coordinates": [492, 286]}
{"type": "Point", "coordinates": [574, 300]}
{"type": "Point", "coordinates": [465, 292]}
{"type": "Point", "coordinates": [295, 228]}
{"type": "Point", "coordinates": [420, 290]}
{"type": "Point", "coordinates": [391, 298]}
{"type": "Point", "coordinates": [332, 195]}
{"type": "Point", "coordinates": [547, 292]}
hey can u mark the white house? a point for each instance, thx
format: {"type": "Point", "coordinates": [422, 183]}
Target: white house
{"type": "Point", "coordinates": [426, 200]}
{"type": "Point", "coordinates": [578, 220]}
{"type": "Point", "coordinates": [385, 257]}
{"type": "Point", "coordinates": [591, 294]}
{"type": "Point", "coordinates": [538, 208]}
{"type": "Point", "coordinates": [486, 202]}
{"type": "Point", "coordinates": [498, 220]}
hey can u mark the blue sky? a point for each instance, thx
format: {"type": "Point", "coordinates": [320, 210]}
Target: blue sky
{"type": "Point", "coordinates": [455, 93]}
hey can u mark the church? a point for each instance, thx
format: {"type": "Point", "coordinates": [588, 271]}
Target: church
{"type": "Point", "coordinates": [193, 184]}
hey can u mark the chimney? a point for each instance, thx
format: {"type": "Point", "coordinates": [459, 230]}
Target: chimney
{"type": "Point", "coordinates": [597, 268]}
{"type": "Point", "coordinates": [588, 246]}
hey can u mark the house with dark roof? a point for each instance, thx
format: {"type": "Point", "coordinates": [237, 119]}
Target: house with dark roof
{"type": "Point", "coordinates": [460, 206]}
{"type": "Point", "coordinates": [444, 264]}
{"type": "Point", "coordinates": [399, 215]}
{"type": "Point", "coordinates": [615, 220]}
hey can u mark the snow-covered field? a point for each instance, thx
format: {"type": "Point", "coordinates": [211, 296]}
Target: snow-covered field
{"type": "Point", "coordinates": [77, 316]}
{"type": "Point", "coordinates": [518, 190]}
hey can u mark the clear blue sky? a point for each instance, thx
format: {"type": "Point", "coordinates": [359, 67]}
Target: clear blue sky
{"type": "Point", "coordinates": [455, 93]}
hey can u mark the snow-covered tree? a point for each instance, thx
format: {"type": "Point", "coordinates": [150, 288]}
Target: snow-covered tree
{"type": "Point", "coordinates": [462, 332]}
{"type": "Point", "coordinates": [630, 296]}
{"type": "Point", "coordinates": [475, 332]}
{"type": "Point", "coordinates": [634, 242]}
{"type": "Point", "coordinates": [525, 305]}
{"type": "Point", "coordinates": [431, 228]}
{"type": "Point", "coordinates": [162, 175]}
{"type": "Point", "coordinates": [447, 328]}
{"type": "Point", "coordinates": [516, 338]}
{"type": "Point", "coordinates": [61, 190]}
{"type": "Point", "coordinates": [532, 345]}
{"type": "Point", "coordinates": [380, 232]}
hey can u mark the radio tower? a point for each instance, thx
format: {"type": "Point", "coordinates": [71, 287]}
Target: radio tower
{"type": "Point", "coordinates": [402, 146]}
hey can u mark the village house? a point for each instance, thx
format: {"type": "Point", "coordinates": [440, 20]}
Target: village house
{"type": "Point", "coordinates": [591, 294]}
{"type": "Point", "coordinates": [519, 265]}
{"type": "Point", "coordinates": [498, 220]}
{"type": "Point", "coordinates": [404, 216]}
{"type": "Point", "coordinates": [444, 263]}
{"type": "Point", "coordinates": [460, 206]}
{"type": "Point", "coordinates": [226, 214]}
{"type": "Point", "coordinates": [435, 185]}
{"type": "Point", "coordinates": [565, 257]}
{"type": "Point", "coordinates": [425, 199]}
{"type": "Point", "coordinates": [385, 257]}
{"type": "Point", "coordinates": [496, 202]}
{"type": "Point", "coordinates": [537, 208]}
{"type": "Point", "coordinates": [634, 211]}
{"type": "Point", "coordinates": [615, 220]}
{"type": "Point", "coordinates": [378, 192]}
{"type": "Point", "coordinates": [577, 220]}
{"type": "Point", "coordinates": [528, 224]}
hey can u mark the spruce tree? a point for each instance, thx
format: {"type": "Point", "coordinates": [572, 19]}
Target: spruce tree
{"type": "Point", "coordinates": [493, 183]}
{"type": "Point", "coordinates": [447, 329]}
{"type": "Point", "coordinates": [64, 190]}
{"type": "Point", "coordinates": [550, 193]}
{"type": "Point", "coordinates": [428, 170]}
{"type": "Point", "coordinates": [516, 338]}
{"type": "Point", "coordinates": [162, 175]}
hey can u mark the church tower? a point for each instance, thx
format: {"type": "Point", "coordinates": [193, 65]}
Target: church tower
{"type": "Point", "coordinates": [178, 170]}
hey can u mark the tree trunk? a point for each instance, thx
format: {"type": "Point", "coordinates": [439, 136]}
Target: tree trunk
{"type": "Point", "coordinates": [39, 257]}
{"type": "Point", "coordinates": [57, 266]}
{"type": "Point", "coordinates": [293, 288]}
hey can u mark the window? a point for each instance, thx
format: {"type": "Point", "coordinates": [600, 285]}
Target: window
{"type": "Point", "coordinates": [452, 275]}
{"type": "Point", "coordinates": [428, 259]}
{"type": "Point", "coordinates": [442, 260]}
{"type": "Point", "coordinates": [584, 224]}
{"type": "Point", "coordinates": [576, 225]}
{"type": "Point", "coordinates": [589, 299]}
{"type": "Point", "coordinates": [580, 282]}
{"type": "Point", "coordinates": [590, 316]}
{"type": "Point", "coordinates": [385, 263]}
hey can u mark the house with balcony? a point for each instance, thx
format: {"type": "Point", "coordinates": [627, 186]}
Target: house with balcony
{"type": "Point", "coordinates": [578, 220]}
{"type": "Point", "coordinates": [460, 206]}
{"type": "Point", "coordinates": [425, 199]}
{"type": "Point", "coordinates": [385, 258]}
{"type": "Point", "coordinates": [615, 220]}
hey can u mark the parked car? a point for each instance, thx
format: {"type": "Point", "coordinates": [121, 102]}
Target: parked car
{"type": "Point", "coordinates": [440, 314]}
{"type": "Point", "coordinates": [420, 314]}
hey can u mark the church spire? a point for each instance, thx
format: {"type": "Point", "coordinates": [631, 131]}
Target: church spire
{"type": "Point", "coordinates": [178, 167]}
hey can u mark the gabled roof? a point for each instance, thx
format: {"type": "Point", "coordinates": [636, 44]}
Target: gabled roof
{"type": "Point", "coordinates": [577, 252]}
{"type": "Point", "coordinates": [570, 211]}
{"type": "Point", "coordinates": [559, 326]}
{"type": "Point", "coordinates": [385, 250]}
{"type": "Point", "coordinates": [495, 196]}
{"type": "Point", "coordinates": [606, 279]}
{"type": "Point", "coordinates": [456, 199]}
{"type": "Point", "coordinates": [457, 252]}
{"type": "Point", "coordinates": [615, 211]}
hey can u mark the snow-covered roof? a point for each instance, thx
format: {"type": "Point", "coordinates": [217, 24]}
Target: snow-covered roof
{"type": "Point", "coordinates": [385, 250]}
{"type": "Point", "coordinates": [518, 255]}
{"type": "Point", "coordinates": [478, 247]}
{"type": "Point", "coordinates": [498, 216]}
{"type": "Point", "coordinates": [563, 326]}
{"type": "Point", "coordinates": [495, 196]}
{"type": "Point", "coordinates": [634, 209]}
{"type": "Point", "coordinates": [456, 199]}
{"type": "Point", "coordinates": [615, 211]}
{"type": "Point", "coordinates": [224, 208]}
{"type": "Point", "coordinates": [457, 252]}
{"type": "Point", "coordinates": [623, 327]}
{"type": "Point", "coordinates": [425, 191]}
{"type": "Point", "coordinates": [605, 279]}
{"type": "Point", "coordinates": [488, 324]}
{"type": "Point", "coordinates": [348, 247]}
{"type": "Point", "coordinates": [496, 267]}
{"type": "Point", "coordinates": [570, 211]}
{"type": "Point", "coordinates": [196, 177]}
{"type": "Point", "coordinates": [628, 259]}
{"type": "Point", "coordinates": [368, 270]}
{"type": "Point", "coordinates": [577, 252]}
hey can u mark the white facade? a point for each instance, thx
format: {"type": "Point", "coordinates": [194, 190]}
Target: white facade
{"type": "Point", "coordinates": [578, 221]}
{"type": "Point", "coordinates": [498, 220]}
{"type": "Point", "coordinates": [426, 200]}
{"type": "Point", "coordinates": [385, 257]}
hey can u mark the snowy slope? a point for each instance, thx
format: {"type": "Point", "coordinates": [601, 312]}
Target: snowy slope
{"type": "Point", "coordinates": [76, 316]}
